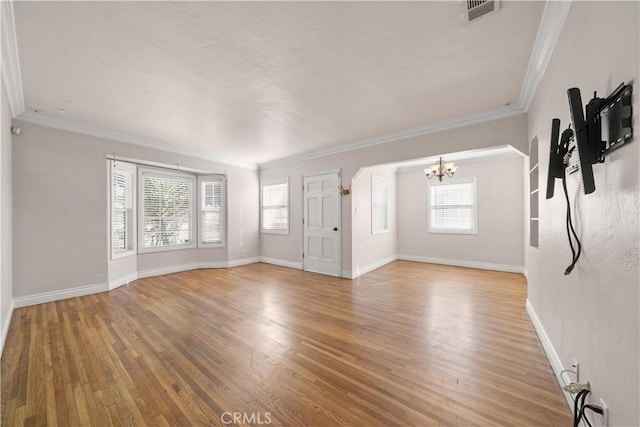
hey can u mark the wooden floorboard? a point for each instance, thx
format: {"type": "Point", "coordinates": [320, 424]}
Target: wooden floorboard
{"type": "Point", "coordinates": [408, 344]}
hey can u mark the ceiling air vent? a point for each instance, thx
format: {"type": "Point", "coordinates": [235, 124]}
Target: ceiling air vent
{"type": "Point", "coordinates": [477, 8]}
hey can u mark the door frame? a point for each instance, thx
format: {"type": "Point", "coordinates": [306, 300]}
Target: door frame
{"type": "Point", "coordinates": [339, 173]}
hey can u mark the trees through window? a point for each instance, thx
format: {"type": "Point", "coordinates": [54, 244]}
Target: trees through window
{"type": "Point", "coordinates": [166, 210]}
{"type": "Point", "coordinates": [154, 209]}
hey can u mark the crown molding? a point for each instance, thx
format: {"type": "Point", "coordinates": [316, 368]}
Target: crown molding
{"type": "Point", "coordinates": [553, 17]}
{"type": "Point", "coordinates": [551, 24]}
{"type": "Point", "coordinates": [456, 122]}
{"type": "Point", "coordinates": [11, 78]}
{"type": "Point", "coordinates": [67, 125]}
{"type": "Point", "coordinates": [465, 157]}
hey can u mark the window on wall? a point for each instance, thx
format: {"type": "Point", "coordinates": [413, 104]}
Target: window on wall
{"type": "Point", "coordinates": [379, 205]}
{"type": "Point", "coordinates": [167, 210]}
{"type": "Point", "coordinates": [453, 207]}
{"type": "Point", "coordinates": [275, 207]}
{"type": "Point", "coordinates": [153, 209]}
{"type": "Point", "coordinates": [123, 223]}
{"type": "Point", "coordinates": [212, 210]}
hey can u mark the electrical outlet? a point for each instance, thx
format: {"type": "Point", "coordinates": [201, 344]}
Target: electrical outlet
{"type": "Point", "coordinates": [576, 367]}
{"type": "Point", "coordinates": [605, 413]}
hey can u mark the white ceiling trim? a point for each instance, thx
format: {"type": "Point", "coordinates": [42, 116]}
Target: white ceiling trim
{"type": "Point", "coordinates": [67, 125]}
{"type": "Point", "coordinates": [463, 157]}
{"type": "Point", "coordinates": [551, 24]}
{"type": "Point", "coordinates": [456, 122]}
{"type": "Point", "coordinates": [11, 79]}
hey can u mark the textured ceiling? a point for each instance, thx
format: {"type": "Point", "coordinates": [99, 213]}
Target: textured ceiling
{"type": "Point", "coordinates": [258, 81]}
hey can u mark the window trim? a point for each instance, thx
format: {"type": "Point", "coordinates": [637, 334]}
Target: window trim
{"type": "Point", "coordinates": [431, 184]}
{"type": "Point", "coordinates": [268, 183]}
{"type": "Point", "coordinates": [113, 164]}
{"type": "Point", "coordinates": [376, 180]}
{"type": "Point", "coordinates": [158, 172]}
{"type": "Point", "coordinates": [223, 211]}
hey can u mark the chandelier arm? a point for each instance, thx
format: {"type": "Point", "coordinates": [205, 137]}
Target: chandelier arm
{"type": "Point", "coordinates": [440, 169]}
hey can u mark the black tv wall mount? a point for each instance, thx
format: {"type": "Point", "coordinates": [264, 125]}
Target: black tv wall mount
{"type": "Point", "coordinates": [601, 126]}
{"type": "Point", "coordinates": [616, 114]}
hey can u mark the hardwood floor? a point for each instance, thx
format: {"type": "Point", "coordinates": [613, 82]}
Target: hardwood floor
{"type": "Point", "coordinates": [408, 344]}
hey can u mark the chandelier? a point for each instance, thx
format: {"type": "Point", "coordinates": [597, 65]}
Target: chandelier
{"type": "Point", "coordinates": [440, 169]}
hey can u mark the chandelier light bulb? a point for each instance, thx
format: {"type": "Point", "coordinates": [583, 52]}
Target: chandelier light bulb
{"type": "Point", "coordinates": [440, 169]}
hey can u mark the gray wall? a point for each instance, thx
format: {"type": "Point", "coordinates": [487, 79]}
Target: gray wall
{"type": "Point", "coordinates": [60, 207]}
{"type": "Point", "coordinates": [6, 291]}
{"type": "Point", "coordinates": [500, 235]}
{"type": "Point", "coordinates": [509, 131]}
{"type": "Point", "coordinates": [60, 183]}
{"type": "Point", "coordinates": [369, 250]}
{"type": "Point", "coordinates": [594, 313]}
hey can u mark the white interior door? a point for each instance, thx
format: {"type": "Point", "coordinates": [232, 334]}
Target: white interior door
{"type": "Point", "coordinates": [321, 224]}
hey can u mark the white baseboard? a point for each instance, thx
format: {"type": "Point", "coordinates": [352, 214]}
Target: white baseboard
{"type": "Point", "coordinates": [552, 355]}
{"type": "Point", "coordinates": [229, 264]}
{"type": "Point", "coordinates": [281, 262]}
{"type": "Point", "coordinates": [211, 264]}
{"type": "Point", "coordinates": [461, 263]}
{"type": "Point", "coordinates": [167, 270]}
{"type": "Point", "coordinates": [6, 322]}
{"type": "Point", "coordinates": [243, 261]}
{"type": "Point", "coordinates": [373, 266]}
{"type": "Point", "coordinates": [59, 295]}
{"type": "Point", "coordinates": [125, 280]}
{"type": "Point", "coordinates": [347, 274]}
{"type": "Point", "coordinates": [120, 281]}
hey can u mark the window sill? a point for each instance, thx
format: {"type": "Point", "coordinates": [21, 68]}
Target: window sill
{"type": "Point", "coordinates": [211, 245]}
{"type": "Point", "coordinates": [373, 233]}
{"type": "Point", "coordinates": [154, 249]}
{"type": "Point", "coordinates": [119, 255]}
{"type": "Point", "coordinates": [274, 232]}
{"type": "Point", "coordinates": [452, 232]}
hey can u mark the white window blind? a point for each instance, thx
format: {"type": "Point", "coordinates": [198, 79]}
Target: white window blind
{"type": "Point", "coordinates": [122, 208]}
{"type": "Point", "coordinates": [167, 210]}
{"type": "Point", "coordinates": [212, 209]}
{"type": "Point", "coordinates": [379, 205]}
{"type": "Point", "coordinates": [453, 207]}
{"type": "Point", "coordinates": [275, 207]}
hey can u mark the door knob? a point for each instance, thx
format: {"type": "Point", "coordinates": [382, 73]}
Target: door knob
{"type": "Point", "coordinates": [335, 228]}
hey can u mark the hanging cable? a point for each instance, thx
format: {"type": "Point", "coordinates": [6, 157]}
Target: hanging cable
{"type": "Point", "coordinates": [577, 407]}
{"type": "Point", "coordinates": [594, 408]}
{"type": "Point", "coordinates": [567, 370]}
{"type": "Point", "coordinates": [575, 254]}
